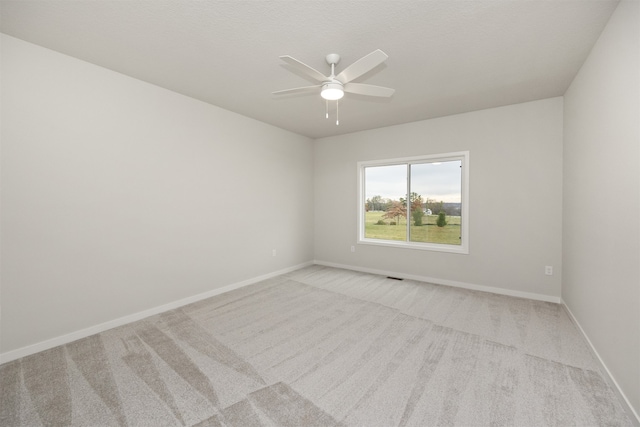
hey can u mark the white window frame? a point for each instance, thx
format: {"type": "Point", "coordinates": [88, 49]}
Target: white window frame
{"type": "Point", "coordinates": [463, 247]}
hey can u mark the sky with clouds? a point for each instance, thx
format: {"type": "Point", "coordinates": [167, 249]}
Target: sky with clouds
{"type": "Point", "coordinates": [439, 181]}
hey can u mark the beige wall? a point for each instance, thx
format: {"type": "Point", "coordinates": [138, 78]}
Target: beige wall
{"type": "Point", "coordinates": [515, 197]}
{"type": "Point", "coordinates": [119, 196]}
{"type": "Point", "coordinates": [601, 254]}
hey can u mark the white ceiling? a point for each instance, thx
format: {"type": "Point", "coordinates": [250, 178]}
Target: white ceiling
{"type": "Point", "coordinates": [445, 56]}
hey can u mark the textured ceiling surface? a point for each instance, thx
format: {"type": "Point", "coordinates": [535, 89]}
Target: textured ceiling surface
{"type": "Point", "coordinates": [445, 56]}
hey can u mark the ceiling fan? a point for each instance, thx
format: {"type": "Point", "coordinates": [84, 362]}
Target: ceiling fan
{"type": "Point", "coordinates": [332, 87]}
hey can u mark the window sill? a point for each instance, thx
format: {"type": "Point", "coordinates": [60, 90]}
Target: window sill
{"type": "Point", "coordinates": [434, 247]}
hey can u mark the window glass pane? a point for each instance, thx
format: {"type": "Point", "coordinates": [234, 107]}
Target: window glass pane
{"type": "Point", "coordinates": [436, 202]}
{"type": "Point", "coordinates": [418, 202]}
{"type": "Point", "coordinates": [385, 208]}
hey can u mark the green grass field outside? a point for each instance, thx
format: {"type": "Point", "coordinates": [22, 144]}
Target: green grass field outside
{"type": "Point", "coordinates": [429, 232]}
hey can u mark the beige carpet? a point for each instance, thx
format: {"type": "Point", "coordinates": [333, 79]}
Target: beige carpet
{"type": "Point", "coordinates": [322, 347]}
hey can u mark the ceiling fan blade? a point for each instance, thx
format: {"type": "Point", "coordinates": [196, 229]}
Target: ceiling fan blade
{"type": "Point", "coordinates": [369, 90]}
{"type": "Point", "coordinates": [362, 66]}
{"type": "Point", "coordinates": [304, 89]}
{"type": "Point", "coordinates": [301, 66]}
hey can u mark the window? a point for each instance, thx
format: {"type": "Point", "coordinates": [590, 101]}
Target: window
{"type": "Point", "coordinates": [417, 202]}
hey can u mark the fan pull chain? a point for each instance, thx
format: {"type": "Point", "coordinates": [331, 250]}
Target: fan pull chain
{"type": "Point", "coordinates": [326, 115]}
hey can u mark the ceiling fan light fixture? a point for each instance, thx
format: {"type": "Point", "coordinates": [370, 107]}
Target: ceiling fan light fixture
{"type": "Point", "coordinates": [332, 91]}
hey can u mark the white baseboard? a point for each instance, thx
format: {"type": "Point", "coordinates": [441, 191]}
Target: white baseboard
{"type": "Point", "coordinates": [445, 282]}
{"type": "Point", "coordinates": [83, 333]}
{"type": "Point", "coordinates": [630, 410]}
